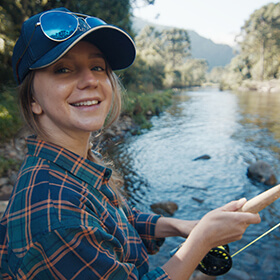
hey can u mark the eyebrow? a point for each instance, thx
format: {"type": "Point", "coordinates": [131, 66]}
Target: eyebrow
{"type": "Point", "coordinates": [98, 55]}
{"type": "Point", "coordinates": [93, 55]}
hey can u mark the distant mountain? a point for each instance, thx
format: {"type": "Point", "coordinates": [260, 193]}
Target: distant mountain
{"type": "Point", "coordinates": [215, 54]}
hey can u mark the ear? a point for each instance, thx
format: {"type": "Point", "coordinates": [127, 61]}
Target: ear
{"type": "Point", "coordinates": [36, 108]}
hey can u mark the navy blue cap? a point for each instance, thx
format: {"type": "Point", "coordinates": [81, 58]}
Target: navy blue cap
{"type": "Point", "coordinates": [34, 50]}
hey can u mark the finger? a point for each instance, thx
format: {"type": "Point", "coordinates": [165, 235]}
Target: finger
{"type": "Point", "coordinates": [234, 205]}
{"type": "Point", "coordinates": [253, 218]}
{"type": "Point", "coordinates": [245, 218]}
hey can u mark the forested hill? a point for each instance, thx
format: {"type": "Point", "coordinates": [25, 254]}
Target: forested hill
{"type": "Point", "coordinates": [215, 54]}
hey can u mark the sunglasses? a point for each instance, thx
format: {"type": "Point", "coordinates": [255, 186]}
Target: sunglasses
{"type": "Point", "coordinates": [59, 26]}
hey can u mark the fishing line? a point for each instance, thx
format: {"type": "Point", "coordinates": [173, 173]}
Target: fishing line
{"type": "Point", "coordinates": [255, 240]}
{"type": "Point", "coordinates": [218, 261]}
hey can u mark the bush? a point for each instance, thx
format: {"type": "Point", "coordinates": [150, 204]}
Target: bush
{"type": "Point", "coordinates": [10, 119]}
{"type": "Point", "coordinates": [8, 164]}
{"type": "Point", "coordinates": [141, 106]}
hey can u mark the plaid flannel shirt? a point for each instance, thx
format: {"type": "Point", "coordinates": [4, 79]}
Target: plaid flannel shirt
{"type": "Point", "coordinates": [63, 221]}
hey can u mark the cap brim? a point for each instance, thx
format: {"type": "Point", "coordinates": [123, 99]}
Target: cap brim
{"type": "Point", "coordinates": [116, 45]}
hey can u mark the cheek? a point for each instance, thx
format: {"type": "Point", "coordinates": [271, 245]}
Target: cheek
{"type": "Point", "coordinates": [61, 89]}
{"type": "Point", "coordinates": [40, 87]}
{"type": "Point", "coordinates": [48, 93]}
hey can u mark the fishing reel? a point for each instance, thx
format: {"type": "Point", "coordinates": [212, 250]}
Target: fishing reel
{"type": "Point", "coordinates": [217, 262]}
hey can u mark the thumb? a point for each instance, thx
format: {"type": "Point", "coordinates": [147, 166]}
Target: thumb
{"type": "Point", "coordinates": [234, 205]}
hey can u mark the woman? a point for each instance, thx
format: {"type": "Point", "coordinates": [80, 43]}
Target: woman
{"type": "Point", "coordinates": [66, 218]}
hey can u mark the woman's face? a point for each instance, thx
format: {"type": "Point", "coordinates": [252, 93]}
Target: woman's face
{"type": "Point", "coordinates": [74, 95]}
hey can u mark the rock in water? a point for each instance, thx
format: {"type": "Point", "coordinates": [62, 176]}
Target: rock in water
{"type": "Point", "coordinates": [165, 208]}
{"type": "Point", "coordinates": [203, 157]}
{"type": "Point", "coordinates": [262, 172]}
{"type": "Point", "coordinates": [199, 200]}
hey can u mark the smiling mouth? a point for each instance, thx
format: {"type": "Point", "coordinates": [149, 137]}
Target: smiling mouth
{"type": "Point", "coordinates": [86, 103]}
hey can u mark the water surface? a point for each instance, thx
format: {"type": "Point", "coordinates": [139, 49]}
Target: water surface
{"type": "Point", "coordinates": [234, 129]}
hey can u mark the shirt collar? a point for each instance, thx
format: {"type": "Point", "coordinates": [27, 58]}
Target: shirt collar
{"type": "Point", "coordinates": [80, 167]}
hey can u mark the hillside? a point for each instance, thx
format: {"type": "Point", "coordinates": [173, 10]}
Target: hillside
{"type": "Point", "coordinates": [215, 54]}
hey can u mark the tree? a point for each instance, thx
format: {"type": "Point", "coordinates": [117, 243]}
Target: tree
{"type": "Point", "coordinates": [215, 76]}
{"type": "Point", "coordinates": [6, 46]}
{"type": "Point", "coordinates": [143, 76]}
{"type": "Point", "coordinates": [174, 45]}
{"type": "Point", "coordinates": [147, 45]}
{"type": "Point", "coordinates": [114, 11]}
{"type": "Point", "coordinates": [260, 42]}
{"type": "Point", "coordinates": [168, 49]}
{"type": "Point", "coordinates": [191, 73]}
{"type": "Point", "coordinates": [149, 65]}
{"type": "Point", "coordinates": [171, 44]}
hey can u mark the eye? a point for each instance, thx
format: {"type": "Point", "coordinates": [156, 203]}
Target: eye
{"type": "Point", "coordinates": [62, 70]}
{"type": "Point", "coordinates": [98, 68]}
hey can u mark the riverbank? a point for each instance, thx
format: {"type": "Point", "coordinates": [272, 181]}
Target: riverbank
{"type": "Point", "coordinates": [271, 86]}
{"type": "Point", "coordinates": [267, 86]}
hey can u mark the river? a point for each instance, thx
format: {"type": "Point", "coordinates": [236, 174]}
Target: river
{"type": "Point", "coordinates": [234, 129]}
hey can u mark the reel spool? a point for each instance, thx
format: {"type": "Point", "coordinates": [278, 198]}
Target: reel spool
{"type": "Point", "coordinates": [217, 262]}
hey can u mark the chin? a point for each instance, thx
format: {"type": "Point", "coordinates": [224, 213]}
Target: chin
{"type": "Point", "coordinates": [94, 128]}
{"type": "Point", "coordinates": [91, 126]}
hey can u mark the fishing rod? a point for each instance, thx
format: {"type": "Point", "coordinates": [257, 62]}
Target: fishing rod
{"type": "Point", "coordinates": [218, 261]}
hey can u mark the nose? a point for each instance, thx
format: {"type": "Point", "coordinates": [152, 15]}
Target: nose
{"type": "Point", "coordinates": [87, 79]}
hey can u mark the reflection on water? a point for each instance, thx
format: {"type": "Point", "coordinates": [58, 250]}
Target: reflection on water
{"type": "Point", "coordinates": [235, 129]}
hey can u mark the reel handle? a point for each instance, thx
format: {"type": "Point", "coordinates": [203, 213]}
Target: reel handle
{"type": "Point", "coordinates": [259, 202]}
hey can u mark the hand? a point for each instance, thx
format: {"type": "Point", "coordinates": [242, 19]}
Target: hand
{"type": "Point", "coordinates": [218, 227]}
{"type": "Point", "coordinates": [225, 224]}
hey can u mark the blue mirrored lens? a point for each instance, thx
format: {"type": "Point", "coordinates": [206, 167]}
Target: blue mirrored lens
{"type": "Point", "coordinates": [93, 21]}
{"type": "Point", "coordinates": [58, 25]}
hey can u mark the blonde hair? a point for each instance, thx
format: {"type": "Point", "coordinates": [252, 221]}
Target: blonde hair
{"type": "Point", "coordinates": [26, 98]}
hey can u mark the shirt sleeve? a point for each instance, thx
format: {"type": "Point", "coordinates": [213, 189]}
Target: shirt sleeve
{"type": "Point", "coordinates": [145, 226]}
{"type": "Point", "coordinates": [81, 253]}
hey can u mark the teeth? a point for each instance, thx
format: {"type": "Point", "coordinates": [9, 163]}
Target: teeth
{"type": "Point", "coordinates": [86, 103]}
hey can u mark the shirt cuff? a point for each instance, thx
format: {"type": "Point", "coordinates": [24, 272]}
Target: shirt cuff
{"type": "Point", "coordinates": [145, 225]}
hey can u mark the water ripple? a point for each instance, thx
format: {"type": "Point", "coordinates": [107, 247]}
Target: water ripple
{"type": "Point", "coordinates": [234, 129]}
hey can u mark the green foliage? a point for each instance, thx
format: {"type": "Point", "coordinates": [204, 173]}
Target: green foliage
{"type": "Point", "coordinates": [174, 45]}
{"type": "Point", "coordinates": [169, 45]}
{"type": "Point", "coordinates": [6, 47]}
{"type": "Point", "coordinates": [113, 11]}
{"type": "Point", "coordinates": [193, 72]}
{"type": "Point", "coordinates": [140, 106]}
{"type": "Point", "coordinates": [215, 76]}
{"type": "Point", "coordinates": [143, 76]}
{"type": "Point", "coordinates": [166, 54]}
{"type": "Point", "coordinates": [7, 164]}
{"type": "Point", "coordinates": [10, 119]}
{"type": "Point", "coordinates": [259, 42]}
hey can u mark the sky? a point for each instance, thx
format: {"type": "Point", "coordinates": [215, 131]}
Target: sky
{"type": "Point", "coordinates": [218, 20]}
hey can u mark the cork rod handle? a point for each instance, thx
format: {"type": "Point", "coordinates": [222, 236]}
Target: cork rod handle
{"type": "Point", "coordinates": [259, 202]}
